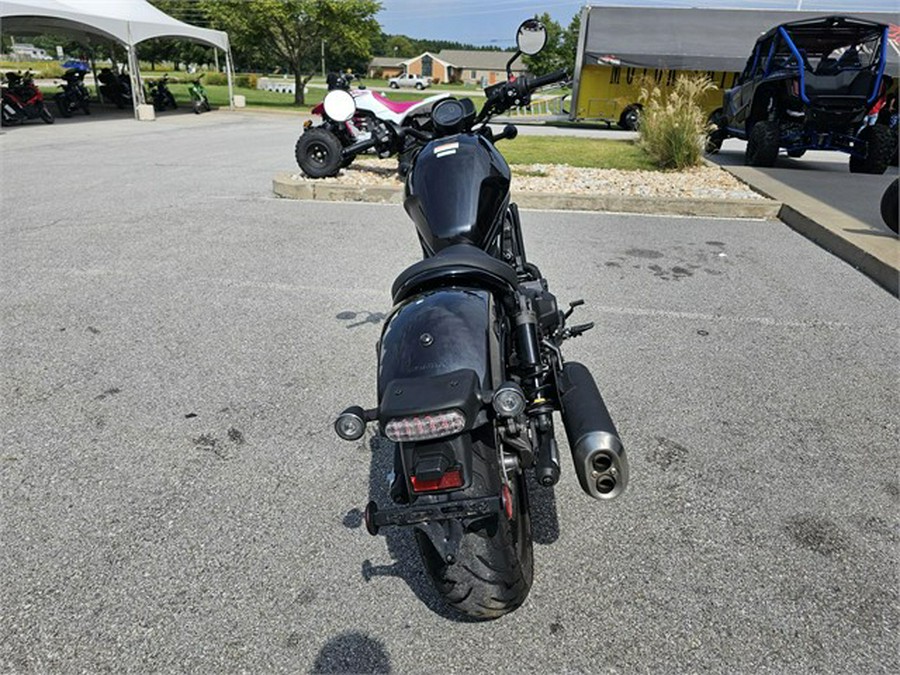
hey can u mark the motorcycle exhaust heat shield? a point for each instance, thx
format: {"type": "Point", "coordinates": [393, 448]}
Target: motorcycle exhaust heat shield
{"type": "Point", "coordinates": [600, 461]}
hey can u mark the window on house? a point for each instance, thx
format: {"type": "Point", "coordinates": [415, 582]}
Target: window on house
{"type": "Point", "coordinates": [426, 66]}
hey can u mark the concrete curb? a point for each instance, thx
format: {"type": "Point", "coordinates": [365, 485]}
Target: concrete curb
{"type": "Point", "coordinates": [873, 252]}
{"type": "Point", "coordinates": [284, 186]}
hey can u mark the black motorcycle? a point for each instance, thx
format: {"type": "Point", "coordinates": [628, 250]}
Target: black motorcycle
{"type": "Point", "coordinates": [74, 95]}
{"type": "Point", "coordinates": [159, 94]}
{"type": "Point", "coordinates": [470, 367]}
{"type": "Point", "coordinates": [115, 88]}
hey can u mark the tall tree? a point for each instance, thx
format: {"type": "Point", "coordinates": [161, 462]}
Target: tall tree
{"type": "Point", "coordinates": [297, 31]}
{"type": "Point", "coordinates": [560, 49]}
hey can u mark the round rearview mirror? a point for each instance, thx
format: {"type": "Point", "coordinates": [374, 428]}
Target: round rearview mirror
{"type": "Point", "coordinates": [532, 37]}
{"type": "Point", "coordinates": [339, 105]}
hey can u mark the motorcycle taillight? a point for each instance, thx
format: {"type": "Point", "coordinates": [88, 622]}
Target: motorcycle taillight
{"type": "Point", "coordinates": [425, 426]}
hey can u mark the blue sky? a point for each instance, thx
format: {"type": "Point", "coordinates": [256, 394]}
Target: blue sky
{"type": "Point", "coordinates": [494, 22]}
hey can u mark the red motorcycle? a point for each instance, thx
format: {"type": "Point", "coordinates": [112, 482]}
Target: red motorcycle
{"type": "Point", "coordinates": [22, 100]}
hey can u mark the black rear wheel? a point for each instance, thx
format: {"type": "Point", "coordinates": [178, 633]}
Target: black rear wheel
{"type": "Point", "coordinates": [630, 119]}
{"type": "Point", "coordinates": [877, 142]}
{"type": "Point", "coordinates": [318, 153]}
{"type": "Point", "coordinates": [46, 115]}
{"type": "Point", "coordinates": [493, 572]}
{"type": "Point", "coordinates": [889, 205]}
{"type": "Point", "coordinates": [762, 145]}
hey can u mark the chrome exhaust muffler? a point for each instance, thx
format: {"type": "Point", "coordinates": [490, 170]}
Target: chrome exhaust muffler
{"type": "Point", "coordinates": [597, 451]}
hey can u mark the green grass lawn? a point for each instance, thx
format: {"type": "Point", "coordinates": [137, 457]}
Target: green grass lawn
{"type": "Point", "coordinates": [598, 153]}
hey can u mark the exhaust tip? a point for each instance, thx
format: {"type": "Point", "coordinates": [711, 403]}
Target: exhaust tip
{"type": "Point", "coordinates": [601, 462]}
{"type": "Point", "coordinates": [606, 484]}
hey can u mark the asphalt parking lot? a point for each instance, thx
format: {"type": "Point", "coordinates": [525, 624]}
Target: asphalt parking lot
{"type": "Point", "coordinates": [176, 341]}
{"type": "Point", "coordinates": [825, 177]}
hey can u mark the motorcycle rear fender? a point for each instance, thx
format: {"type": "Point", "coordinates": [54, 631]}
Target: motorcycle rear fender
{"type": "Point", "coordinates": [439, 350]}
{"type": "Point", "coordinates": [440, 332]}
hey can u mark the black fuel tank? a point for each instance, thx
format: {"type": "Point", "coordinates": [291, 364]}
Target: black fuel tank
{"type": "Point", "coordinates": [457, 192]}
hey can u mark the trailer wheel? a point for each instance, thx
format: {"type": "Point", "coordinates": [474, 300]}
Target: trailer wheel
{"type": "Point", "coordinates": [630, 119]}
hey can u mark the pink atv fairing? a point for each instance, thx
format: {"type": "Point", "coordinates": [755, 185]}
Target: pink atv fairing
{"type": "Point", "coordinates": [394, 111]}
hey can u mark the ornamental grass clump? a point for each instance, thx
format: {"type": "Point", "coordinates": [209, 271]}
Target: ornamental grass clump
{"type": "Point", "coordinates": [673, 127]}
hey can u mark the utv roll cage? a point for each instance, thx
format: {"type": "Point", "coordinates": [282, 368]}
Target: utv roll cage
{"type": "Point", "coordinates": [834, 55]}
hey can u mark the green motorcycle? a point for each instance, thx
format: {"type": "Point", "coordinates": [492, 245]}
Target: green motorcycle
{"type": "Point", "coordinates": [198, 96]}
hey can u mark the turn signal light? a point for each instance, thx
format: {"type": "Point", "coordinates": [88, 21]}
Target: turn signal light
{"type": "Point", "coordinates": [425, 426]}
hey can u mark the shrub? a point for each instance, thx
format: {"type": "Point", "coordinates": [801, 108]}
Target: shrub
{"type": "Point", "coordinates": [215, 78]}
{"type": "Point", "coordinates": [673, 128]}
{"type": "Point", "coordinates": [246, 81]}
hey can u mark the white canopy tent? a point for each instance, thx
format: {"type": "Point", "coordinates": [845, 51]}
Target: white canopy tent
{"type": "Point", "coordinates": [128, 22]}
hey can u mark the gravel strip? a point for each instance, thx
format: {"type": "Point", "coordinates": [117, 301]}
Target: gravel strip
{"type": "Point", "coordinates": [703, 182]}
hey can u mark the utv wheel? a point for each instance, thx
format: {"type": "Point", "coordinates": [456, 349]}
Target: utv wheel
{"type": "Point", "coordinates": [492, 574]}
{"type": "Point", "coordinates": [630, 119]}
{"type": "Point", "coordinates": [46, 115]}
{"type": "Point", "coordinates": [717, 134]}
{"type": "Point", "coordinates": [318, 153]}
{"type": "Point", "coordinates": [877, 142]}
{"type": "Point", "coordinates": [762, 145]}
{"type": "Point", "coordinates": [889, 205]}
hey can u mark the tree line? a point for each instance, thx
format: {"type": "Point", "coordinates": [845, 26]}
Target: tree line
{"type": "Point", "coordinates": [300, 37]}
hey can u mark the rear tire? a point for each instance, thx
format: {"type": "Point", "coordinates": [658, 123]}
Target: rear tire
{"type": "Point", "coordinates": [762, 145]}
{"type": "Point", "coordinates": [46, 115]}
{"type": "Point", "coordinates": [495, 563]}
{"type": "Point", "coordinates": [889, 205]}
{"type": "Point", "coordinates": [878, 142]}
{"type": "Point", "coordinates": [318, 153]}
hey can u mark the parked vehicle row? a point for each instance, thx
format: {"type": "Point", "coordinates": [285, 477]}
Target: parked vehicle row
{"type": "Point", "coordinates": [23, 99]}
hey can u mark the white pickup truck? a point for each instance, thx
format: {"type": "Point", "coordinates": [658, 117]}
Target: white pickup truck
{"type": "Point", "coordinates": [409, 80]}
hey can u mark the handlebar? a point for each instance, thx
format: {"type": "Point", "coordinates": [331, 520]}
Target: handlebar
{"type": "Point", "coordinates": [550, 78]}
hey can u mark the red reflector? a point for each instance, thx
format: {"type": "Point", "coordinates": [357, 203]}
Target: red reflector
{"type": "Point", "coordinates": [451, 479]}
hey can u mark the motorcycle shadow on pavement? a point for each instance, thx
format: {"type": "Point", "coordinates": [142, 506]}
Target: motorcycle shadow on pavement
{"type": "Point", "coordinates": [401, 543]}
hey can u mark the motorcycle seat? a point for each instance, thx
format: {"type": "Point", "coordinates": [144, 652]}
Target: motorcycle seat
{"type": "Point", "coordinates": [461, 264]}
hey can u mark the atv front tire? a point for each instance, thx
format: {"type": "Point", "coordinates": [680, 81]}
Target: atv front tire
{"type": "Point", "coordinates": [318, 153]}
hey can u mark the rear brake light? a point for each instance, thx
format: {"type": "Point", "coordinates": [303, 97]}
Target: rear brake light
{"type": "Point", "coordinates": [451, 479]}
{"type": "Point", "coordinates": [425, 426]}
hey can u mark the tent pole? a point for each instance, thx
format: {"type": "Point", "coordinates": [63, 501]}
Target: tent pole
{"type": "Point", "coordinates": [229, 70]}
{"type": "Point", "coordinates": [216, 57]}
